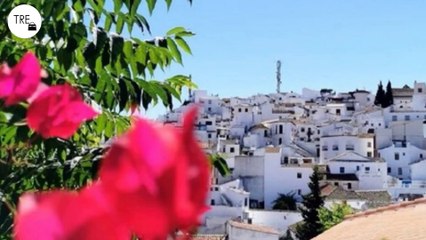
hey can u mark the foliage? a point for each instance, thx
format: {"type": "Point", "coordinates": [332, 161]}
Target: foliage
{"type": "Point", "coordinates": [81, 42]}
{"type": "Point", "coordinates": [389, 94]}
{"type": "Point", "coordinates": [384, 98]}
{"type": "Point", "coordinates": [219, 163]}
{"type": "Point", "coordinates": [380, 96]}
{"type": "Point", "coordinates": [333, 216]}
{"type": "Point", "coordinates": [285, 202]}
{"type": "Point", "coordinates": [312, 202]}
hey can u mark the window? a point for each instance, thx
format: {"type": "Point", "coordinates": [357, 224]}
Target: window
{"type": "Point", "coordinates": [209, 123]}
{"type": "Point", "coordinates": [407, 117]}
{"type": "Point", "coordinates": [350, 147]}
{"type": "Point", "coordinates": [335, 147]}
{"type": "Point", "coordinates": [245, 202]}
{"type": "Point", "coordinates": [231, 149]}
{"type": "Point", "coordinates": [209, 109]}
{"type": "Point", "coordinates": [396, 156]}
{"type": "Point", "coordinates": [357, 168]}
{"type": "Point", "coordinates": [349, 185]}
{"type": "Point", "coordinates": [399, 171]}
{"type": "Point", "coordinates": [212, 202]}
{"type": "Point", "coordinates": [419, 90]}
{"type": "Point", "coordinates": [299, 191]}
{"type": "Point", "coordinates": [249, 221]}
{"type": "Point", "coordinates": [342, 169]}
{"type": "Point", "coordinates": [394, 118]}
{"type": "Point", "coordinates": [285, 160]}
{"type": "Point", "coordinates": [369, 144]}
{"type": "Point", "coordinates": [369, 154]}
{"type": "Point", "coordinates": [336, 183]}
{"type": "Point", "coordinates": [209, 101]}
{"type": "Point", "coordinates": [338, 112]}
{"type": "Point", "coordinates": [265, 134]}
{"type": "Point", "coordinates": [389, 170]}
{"type": "Point", "coordinates": [209, 135]}
{"type": "Point", "coordinates": [421, 155]}
{"type": "Point", "coordinates": [281, 129]}
{"type": "Point", "coordinates": [239, 109]}
{"type": "Point", "coordinates": [302, 129]}
{"type": "Point", "coordinates": [299, 175]}
{"type": "Point", "coordinates": [280, 141]}
{"type": "Point", "coordinates": [325, 148]}
{"type": "Point", "coordinates": [367, 169]}
{"type": "Point", "coordinates": [246, 109]}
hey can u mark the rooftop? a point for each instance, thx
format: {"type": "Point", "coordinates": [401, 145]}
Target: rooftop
{"type": "Point", "coordinates": [402, 221]}
{"type": "Point", "coordinates": [374, 198]}
{"type": "Point", "coordinates": [253, 227]}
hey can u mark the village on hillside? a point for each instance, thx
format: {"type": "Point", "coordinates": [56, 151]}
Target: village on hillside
{"type": "Point", "coordinates": [371, 152]}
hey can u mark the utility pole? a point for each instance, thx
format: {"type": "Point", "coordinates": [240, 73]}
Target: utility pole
{"type": "Point", "coordinates": [278, 76]}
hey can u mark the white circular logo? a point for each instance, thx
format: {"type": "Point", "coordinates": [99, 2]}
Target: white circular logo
{"type": "Point", "coordinates": [24, 21]}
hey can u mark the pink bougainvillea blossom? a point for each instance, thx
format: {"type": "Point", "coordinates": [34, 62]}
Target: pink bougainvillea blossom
{"type": "Point", "coordinates": [20, 82]}
{"type": "Point", "coordinates": [152, 182]}
{"type": "Point", "coordinates": [65, 215]}
{"type": "Point", "coordinates": [157, 178]}
{"type": "Point", "coordinates": [58, 112]}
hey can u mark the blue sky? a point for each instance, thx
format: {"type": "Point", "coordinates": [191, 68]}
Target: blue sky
{"type": "Point", "coordinates": [342, 45]}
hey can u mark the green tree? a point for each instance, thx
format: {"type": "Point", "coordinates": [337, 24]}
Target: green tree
{"type": "Point", "coordinates": [333, 216]}
{"type": "Point", "coordinates": [81, 42]}
{"type": "Point", "coordinates": [380, 99]}
{"type": "Point", "coordinates": [312, 202]}
{"type": "Point", "coordinates": [389, 94]}
{"type": "Point", "coordinates": [285, 202]}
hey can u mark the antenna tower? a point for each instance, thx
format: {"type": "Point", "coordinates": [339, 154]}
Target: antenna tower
{"type": "Point", "coordinates": [278, 76]}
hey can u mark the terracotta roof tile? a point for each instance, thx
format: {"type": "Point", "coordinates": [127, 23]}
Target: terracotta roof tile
{"type": "Point", "coordinates": [402, 221]}
{"type": "Point", "coordinates": [253, 227]}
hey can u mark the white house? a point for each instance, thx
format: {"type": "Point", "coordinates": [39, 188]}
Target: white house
{"type": "Point", "coordinates": [227, 201]}
{"type": "Point", "coordinates": [399, 156]}
{"type": "Point", "coordinates": [332, 146]}
{"type": "Point", "coordinates": [283, 178]}
{"type": "Point", "coordinates": [371, 172]}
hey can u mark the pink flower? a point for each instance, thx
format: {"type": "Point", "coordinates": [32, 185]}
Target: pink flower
{"type": "Point", "coordinates": [19, 83]}
{"type": "Point", "coordinates": [156, 178]}
{"type": "Point", "coordinates": [58, 112]}
{"type": "Point", "coordinates": [59, 215]}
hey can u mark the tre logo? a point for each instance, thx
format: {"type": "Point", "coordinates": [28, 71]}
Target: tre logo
{"type": "Point", "coordinates": [24, 21]}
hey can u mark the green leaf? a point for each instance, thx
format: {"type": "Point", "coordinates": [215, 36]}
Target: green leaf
{"type": "Point", "coordinates": [141, 22]}
{"type": "Point", "coordinates": [182, 44]}
{"type": "Point", "coordinates": [151, 5]}
{"type": "Point", "coordinates": [175, 30]}
{"type": "Point", "coordinates": [220, 164]}
{"type": "Point", "coordinates": [117, 48]}
{"type": "Point", "coordinates": [169, 3]}
{"type": "Point", "coordinates": [108, 22]}
{"type": "Point", "coordinates": [120, 22]}
{"type": "Point", "coordinates": [117, 5]}
{"type": "Point", "coordinates": [174, 50]}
